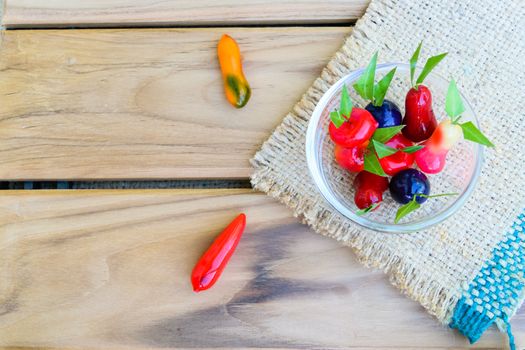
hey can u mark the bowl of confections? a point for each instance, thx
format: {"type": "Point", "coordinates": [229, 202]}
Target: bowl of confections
{"type": "Point", "coordinates": [395, 147]}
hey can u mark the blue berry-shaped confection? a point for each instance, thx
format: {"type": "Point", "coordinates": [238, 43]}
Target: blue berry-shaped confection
{"type": "Point", "coordinates": [388, 114]}
{"type": "Point", "coordinates": [407, 183]}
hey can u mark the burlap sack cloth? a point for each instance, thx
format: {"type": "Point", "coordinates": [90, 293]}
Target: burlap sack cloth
{"type": "Point", "coordinates": [486, 44]}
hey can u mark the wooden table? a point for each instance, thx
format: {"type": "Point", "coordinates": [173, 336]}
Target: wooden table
{"type": "Point", "coordinates": [139, 96]}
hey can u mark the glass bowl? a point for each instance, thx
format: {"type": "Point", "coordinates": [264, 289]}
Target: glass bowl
{"type": "Point", "coordinates": [460, 174]}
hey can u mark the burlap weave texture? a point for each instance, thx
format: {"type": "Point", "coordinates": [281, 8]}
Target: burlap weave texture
{"type": "Point", "coordinates": [486, 45]}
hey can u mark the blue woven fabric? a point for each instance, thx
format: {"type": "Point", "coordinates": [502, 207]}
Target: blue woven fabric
{"type": "Point", "coordinates": [497, 290]}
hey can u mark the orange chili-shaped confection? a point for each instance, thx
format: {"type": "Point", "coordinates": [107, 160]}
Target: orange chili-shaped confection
{"type": "Point", "coordinates": [236, 86]}
{"type": "Point", "coordinates": [211, 264]}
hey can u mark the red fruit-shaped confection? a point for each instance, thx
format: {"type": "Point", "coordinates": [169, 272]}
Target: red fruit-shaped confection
{"type": "Point", "coordinates": [431, 162]}
{"type": "Point", "coordinates": [431, 159]}
{"type": "Point", "coordinates": [420, 121]}
{"type": "Point", "coordinates": [364, 198]}
{"type": "Point", "coordinates": [369, 180]}
{"type": "Point", "coordinates": [369, 189]}
{"type": "Point", "coordinates": [351, 159]}
{"type": "Point", "coordinates": [399, 160]}
{"type": "Point", "coordinates": [354, 131]}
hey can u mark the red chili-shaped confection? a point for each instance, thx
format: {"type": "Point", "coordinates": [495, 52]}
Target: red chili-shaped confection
{"type": "Point", "coordinates": [355, 131]}
{"type": "Point", "coordinates": [210, 266]}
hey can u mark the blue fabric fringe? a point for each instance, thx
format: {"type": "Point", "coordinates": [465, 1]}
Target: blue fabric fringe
{"type": "Point", "coordinates": [497, 290]}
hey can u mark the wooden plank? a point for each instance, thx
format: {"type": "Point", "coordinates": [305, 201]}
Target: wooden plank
{"type": "Point", "coordinates": [95, 13]}
{"type": "Point", "coordinates": [110, 269]}
{"type": "Point", "coordinates": [146, 103]}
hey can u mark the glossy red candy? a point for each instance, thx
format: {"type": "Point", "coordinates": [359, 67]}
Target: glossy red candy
{"type": "Point", "coordinates": [431, 159]}
{"type": "Point", "coordinates": [399, 160]}
{"type": "Point", "coordinates": [210, 266]}
{"type": "Point", "coordinates": [365, 197]}
{"type": "Point", "coordinates": [351, 159]}
{"type": "Point", "coordinates": [369, 180]}
{"type": "Point", "coordinates": [420, 121]}
{"type": "Point", "coordinates": [369, 189]}
{"type": "Point", "coordinates": [431, 162]}
{"type": "Point", "coordinates": [355, 131]}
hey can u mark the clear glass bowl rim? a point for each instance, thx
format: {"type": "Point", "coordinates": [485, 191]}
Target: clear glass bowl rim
{"type": "Point", "coordinates": [313, 161]}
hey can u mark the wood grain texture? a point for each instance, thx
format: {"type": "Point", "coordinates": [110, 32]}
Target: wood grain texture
{"type": "Point", "coordinates": [94, 13]}
{"type": "Point", "coordinates": [146, 103]}
{"type": "Point", "coordinates": [110, 269]}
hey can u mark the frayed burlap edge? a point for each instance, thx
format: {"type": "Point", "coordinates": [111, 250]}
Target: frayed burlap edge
{"type": "Point", "coordinates": [415, 282]}
{"type": "Point", "coordinates": [408, 278]}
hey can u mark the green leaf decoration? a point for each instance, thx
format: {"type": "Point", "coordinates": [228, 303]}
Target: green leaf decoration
{"type": "Point", "coordinates": [429, 65]}
{"type": "Point", "coordinates": [406, 209]}
{"type": "Point", "coordinates": [384, 134]}
{"type": "Point", "coordinates": [372, 164]}
{"type": "Point", "coordinates": [413, 63]}
{"type": "Point", "coordinates": [367, 210]}
{"type": "Point", "coordinates": [337, 118]}
{"type": "Point", "coordinates": [453, 103]}
{"type": "Point", "coordinates": [346, 103]}
{"type": "Point", "coordinates": [470, 132]}
{"type": "Point", "coordinates": [456, 120]}
{"type": "Point", "coordinates": [412, 149]}
{"type": "Point", "coordinates": [365, 85]}
{"type": "Point", "coordinates": [382, 86]}
{"type": "Point", "coordinates": [383, 150]}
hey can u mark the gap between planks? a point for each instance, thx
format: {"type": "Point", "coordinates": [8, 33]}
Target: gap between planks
{"type": "Point", "coordinates": [160, 184]}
